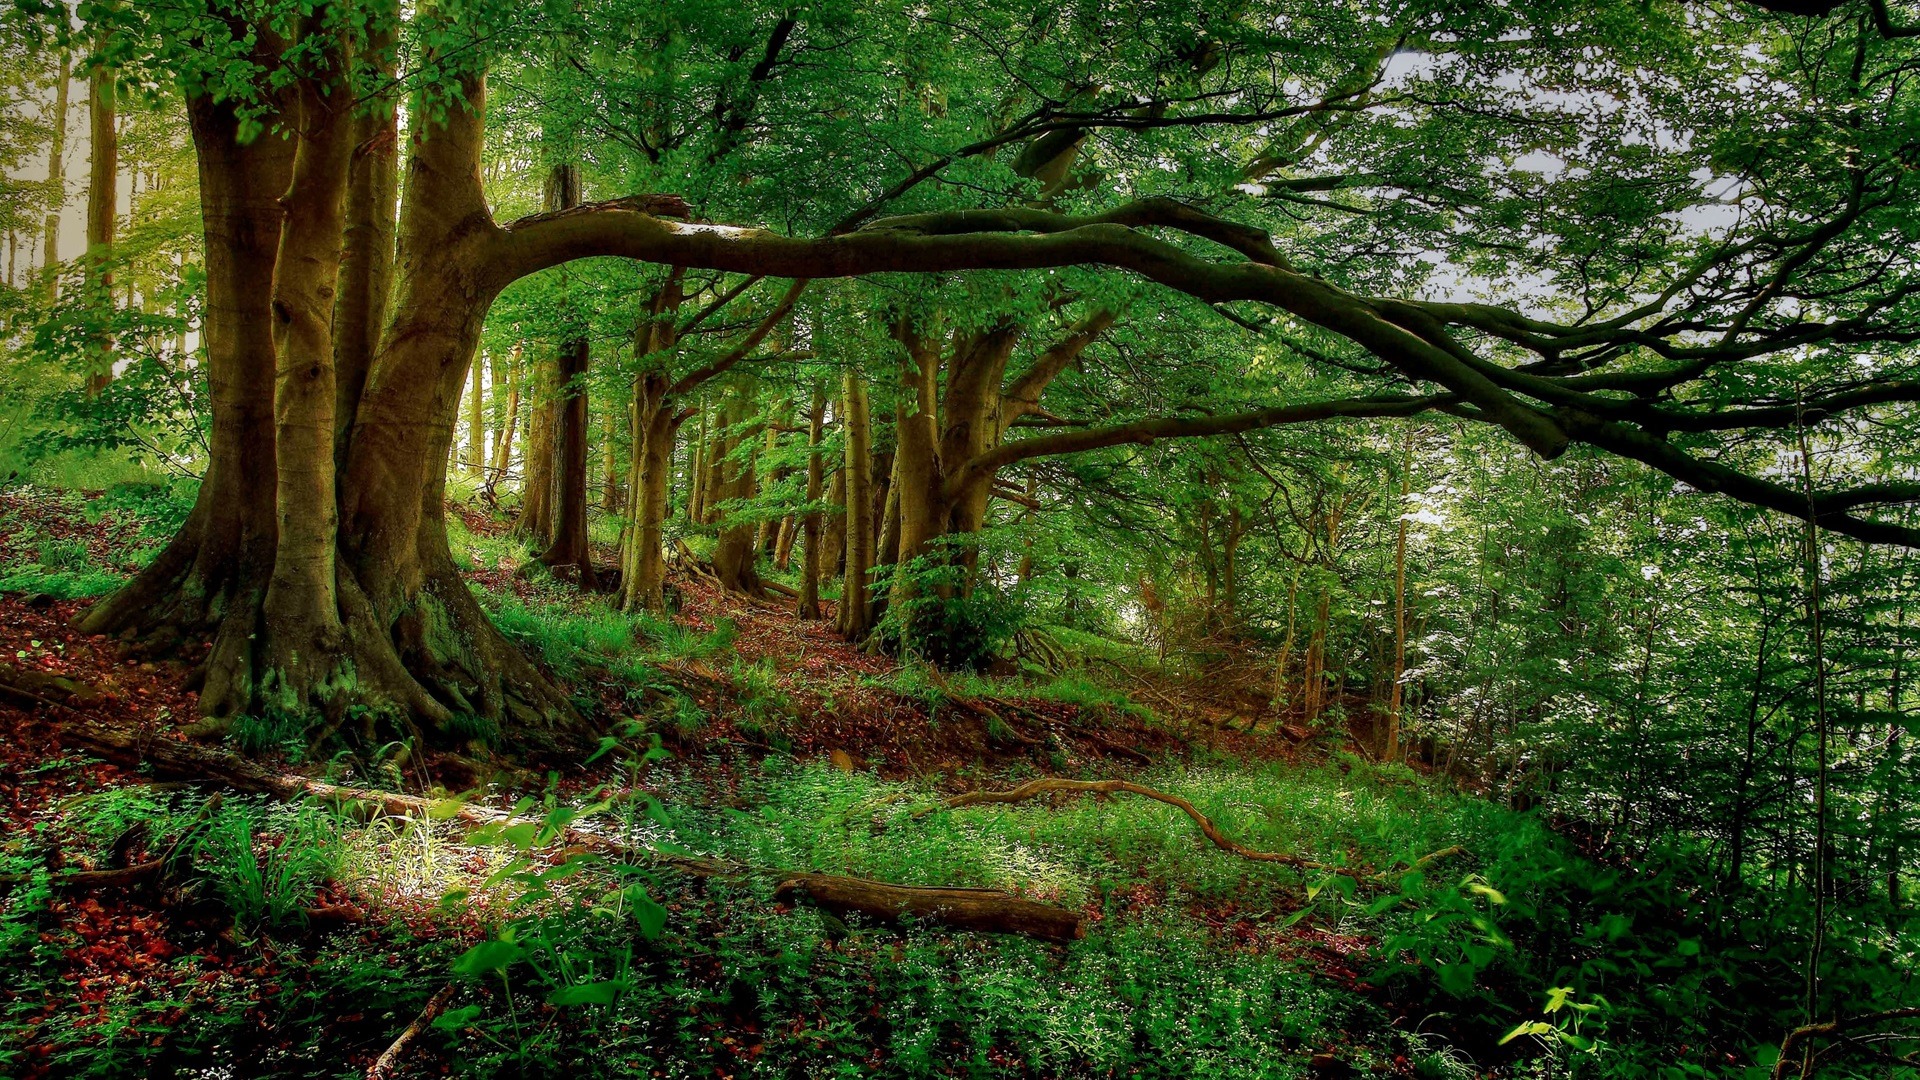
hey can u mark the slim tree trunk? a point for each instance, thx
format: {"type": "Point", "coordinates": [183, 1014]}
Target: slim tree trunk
{"type": "Point", "coordinates": [809, 603]}
{"type": "Point", "coordinates": [855, 616]}
{"type": "Point", "coordinates": [833, 544]}
{"type": "Point", "coordinates": [734, 554]}
{"type": "Point", "coordinates": [536, 476]}
{"type": "Point", "coordinates": [103, 199]}
{"type": "Point", "coordinates": [609, 464]}
{"type": "Point", "coordinates": [1391, 752]}
{"type": "Point", "coordinates": [568, 556]}
{"type": "Point", "coordinates": [476, 459]}
{"type": "Point", "coordinates": [505, 373]}
{"type": "Point", "coordinates": [56, 181]}
{"type": "Point", "coordinates": [697, 474]}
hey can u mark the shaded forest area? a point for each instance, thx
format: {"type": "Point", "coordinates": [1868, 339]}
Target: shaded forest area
{"type": "Point", "coordinates": [991, 539]}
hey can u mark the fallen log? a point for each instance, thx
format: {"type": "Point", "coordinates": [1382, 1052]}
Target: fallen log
{"type": "Point", "coordinates": [985, 910]}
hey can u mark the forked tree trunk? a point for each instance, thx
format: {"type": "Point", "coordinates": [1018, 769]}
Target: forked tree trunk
{"type": "Point", "coordinates": [368, 618]}
{"type": "Point", "coordinates": [504, 374]}
{"type": "Point", "coordinates": [655, 429]}
{"type": "Point", "coordinates": [833, 542]}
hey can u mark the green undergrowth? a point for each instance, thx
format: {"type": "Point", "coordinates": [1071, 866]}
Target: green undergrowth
{"type": "Point", "coordinates": [1197, 962]}
{"type": "Point", "coordinates": [140, 515]}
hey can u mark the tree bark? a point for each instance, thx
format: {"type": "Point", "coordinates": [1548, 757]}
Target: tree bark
{"type": "Point", "coordinates": [855, 610]}
{"type": "Point", "coordinates": [366, 272]}
{"type": "Point", "coordinates": [475, 462]}
{"type": "Point", "coordinates": [505, 373]}
{"type": "Point", "coordinates": [56, 181]}
{"type": "Point", "coordinates": [103, 200]}
{"type": "Point", "coordinates": [568, 556]}
{"type": "Point", "coordinates": [808, 606]}
{"type": "Point", "coordinates": [735, 552]}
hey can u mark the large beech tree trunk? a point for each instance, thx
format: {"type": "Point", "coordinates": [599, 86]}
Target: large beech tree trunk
{"type": "Point", "coordinates": [316, 554]}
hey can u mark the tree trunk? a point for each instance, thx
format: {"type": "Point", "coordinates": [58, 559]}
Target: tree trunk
{"type": "Point", "coordinates": [644, 572]}
{"type": "Point", "coordinates": [809, 603]}
{"type": "Point", "coordinates": [366, 274]}
{"type": "Point", "coordinates": [537, 474]}
{"type": "Point", "coordinates": [366, 619]}
{"type": "Point", "coordinates": [505, 373]}
{"type": "Point", "coordinates": [476, 457]}
{"type": "Point", "coordinates": [767, 533]}
{"type": "Point", "coordinates": [213, 575]}
{"type": "Point", "coordinates": [103, 200]}
{"type": "Point", "coordinates": [855, 615]}
{"type": "Point", "coordinates": [833, 543]}
{"type": "Point", "coordinates": [568, 556]}
{"type": "Point", "coordinates": [56, 181]}
{"type": "Point", "coordinates": [1391, 751]}
{"type": "Point", "coordinates": [609, 464]}
{"type": "Point", "coordinates": [734, 554]}
{"type": "Point", "coordinates": [697, 474]}
{"type": "Point", "coordinates": [655, 428]}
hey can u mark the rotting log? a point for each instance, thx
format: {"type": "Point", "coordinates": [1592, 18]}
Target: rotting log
{"type": "Point", "coordinates": [986, 910]}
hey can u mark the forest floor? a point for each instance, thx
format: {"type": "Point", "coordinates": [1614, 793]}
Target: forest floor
{"type": "Point", "coordinates": [305, 938]}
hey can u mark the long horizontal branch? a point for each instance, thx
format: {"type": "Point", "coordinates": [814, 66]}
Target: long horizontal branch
{"type": "Point", "coordinates": [1414, 341]}
{"type": "Point", "coordinates": [1145, 432]}
{"type": "Point", "coordinates": [981, 240]}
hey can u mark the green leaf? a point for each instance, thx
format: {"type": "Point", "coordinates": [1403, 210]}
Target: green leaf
{"type": "Point", "coordinates": [486, 957]}
{"type": "Point", "coordinates": [455, 1019]}
{"type": "Point", "coordinates": [1531, 1027]}
{"type": "Point", "coordinates": [593, 993]}
{"type": "Point", "coordinates": [648, 913]}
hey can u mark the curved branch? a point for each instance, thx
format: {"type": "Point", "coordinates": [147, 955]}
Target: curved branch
{"type": "Point", "coordinates": [978, 240]}
{"type": "Point", "coordinates": [1145, 432]}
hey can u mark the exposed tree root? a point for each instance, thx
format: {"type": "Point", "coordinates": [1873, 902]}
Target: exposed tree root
{"type": "Point", "coordinates": [388, 1063]}
{"type": "Point", "coordinates": [967, 909]}
{"type": "Point", "coordinates": [1049, 785]}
